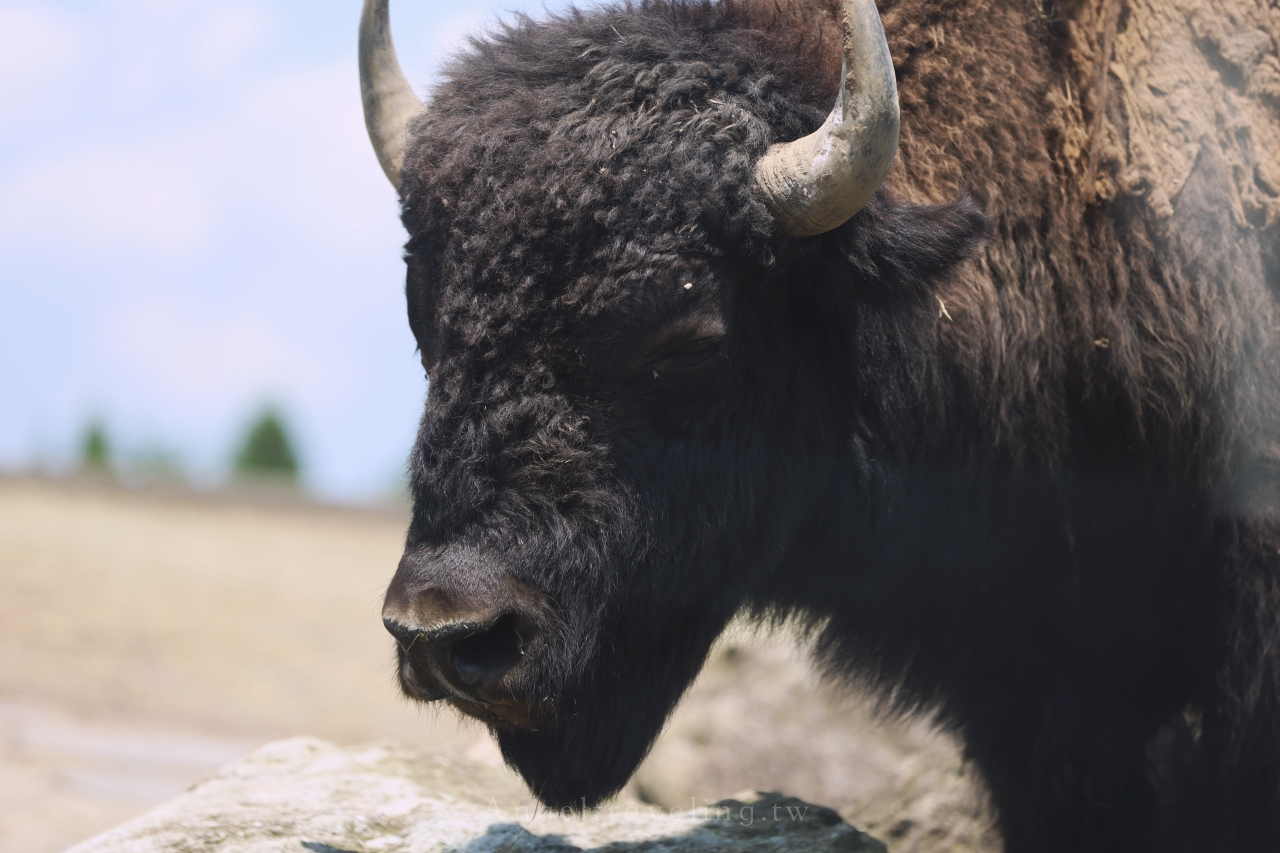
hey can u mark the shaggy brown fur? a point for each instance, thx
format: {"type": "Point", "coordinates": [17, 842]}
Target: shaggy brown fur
{"type": "Point", "coordinates": [1009, 443]}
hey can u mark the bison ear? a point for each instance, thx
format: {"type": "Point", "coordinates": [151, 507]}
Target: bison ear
{"type": "Point", "coordinates": [900, 249]}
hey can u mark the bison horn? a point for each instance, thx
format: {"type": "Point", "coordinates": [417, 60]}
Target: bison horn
{"type": "Point", "coordinates": [817, 183]}
{"type": "Point", "coordinates": [389, 101]}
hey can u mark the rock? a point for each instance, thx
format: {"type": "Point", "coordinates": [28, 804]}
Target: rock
{"type": "Point", "coordinates": [305, 795]}
{"type": "Point", "coordinates": [759, 717]}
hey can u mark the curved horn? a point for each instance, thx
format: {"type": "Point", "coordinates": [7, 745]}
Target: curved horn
{"type": "Point", "coordinates": [389, 101]}
{"type": "Point", "coordinates": [817, 183]}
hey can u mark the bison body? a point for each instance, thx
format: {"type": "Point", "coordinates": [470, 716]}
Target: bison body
{"type": "Point", "coordinates": [1008, 448]}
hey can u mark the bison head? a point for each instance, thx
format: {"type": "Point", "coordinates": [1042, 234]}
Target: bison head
{"type": "Point", "coordinates": [654, 340]}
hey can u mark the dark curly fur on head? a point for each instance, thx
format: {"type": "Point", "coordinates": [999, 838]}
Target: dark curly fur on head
{"type": "Point", "coordinates": [570, 180]}
{"type": "Point", "coordinates": [1013, 454]}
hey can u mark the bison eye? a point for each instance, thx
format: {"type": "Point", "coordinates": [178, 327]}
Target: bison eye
{"type": "Point", "coordinates": [682, 356]}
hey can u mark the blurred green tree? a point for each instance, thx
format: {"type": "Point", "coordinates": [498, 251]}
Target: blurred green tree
{"type": "Point", "coordinates": [267, 451]}
{"type": "Point", "coordinates": [95, 449]}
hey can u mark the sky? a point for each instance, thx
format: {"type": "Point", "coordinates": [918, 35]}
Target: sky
{"type": "Point", "coordinates": [193, 225]}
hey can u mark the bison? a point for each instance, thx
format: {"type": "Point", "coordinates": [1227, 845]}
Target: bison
{"type": "Point", "coordinates": [925, 372]}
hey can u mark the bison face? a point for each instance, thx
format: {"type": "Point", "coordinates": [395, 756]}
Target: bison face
{"type": "Point", "coordinates": [597, 482]}
{"type": "Point", "coordinates": [641, 394]}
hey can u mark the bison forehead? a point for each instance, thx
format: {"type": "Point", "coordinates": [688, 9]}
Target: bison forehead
{"type": "Point", "coordinates": [554, 151]}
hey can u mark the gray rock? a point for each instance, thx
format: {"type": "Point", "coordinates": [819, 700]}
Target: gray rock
{"type": "Point", "coordinates": [307, 796]}
{"type": "Point", "coordinates": [759, 717]}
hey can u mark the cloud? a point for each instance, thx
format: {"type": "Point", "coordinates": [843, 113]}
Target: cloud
{"type": "Point", "coordinates": [214, 364]}
{"type": "Point", "coordinates": [226, 38]}
{"type": "Point", "coordinates": [38, 50]}
{"type": "Point", "coordinates": [116, 198]}
{"type": "Point", "coordinates": [288, 152]}
{"type": "Point", "coordinates": [304, 158]}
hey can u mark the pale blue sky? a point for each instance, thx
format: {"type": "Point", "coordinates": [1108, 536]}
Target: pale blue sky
{"type": "Point", "coordinates": [192, 223]}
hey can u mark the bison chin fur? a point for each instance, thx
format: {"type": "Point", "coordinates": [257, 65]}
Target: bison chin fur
{"type": "Point", "coordinates": [586, 759]}
{"type": "Point", "coordinates": [589, 753]}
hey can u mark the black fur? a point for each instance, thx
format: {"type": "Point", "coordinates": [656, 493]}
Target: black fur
{"type": "Point", "coordinates": [1016, 469]}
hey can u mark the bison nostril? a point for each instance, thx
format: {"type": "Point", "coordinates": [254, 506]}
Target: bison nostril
{"type": "Point", "coordinates": [485, 656]}
{"type": "Point", "coordinates": [404, 635]}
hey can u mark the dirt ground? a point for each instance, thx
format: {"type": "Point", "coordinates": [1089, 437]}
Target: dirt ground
{"type": "Point", "coordinates": [146, 639]}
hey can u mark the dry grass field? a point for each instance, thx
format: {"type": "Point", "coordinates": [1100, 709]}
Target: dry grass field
{"type": "Point", "coordinates": [145, 639]}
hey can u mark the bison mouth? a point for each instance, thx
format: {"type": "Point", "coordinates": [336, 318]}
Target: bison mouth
{"type": "Point", "coordinates": [499, 716]}
{"type": "Point", "coordinates": [572, 758]}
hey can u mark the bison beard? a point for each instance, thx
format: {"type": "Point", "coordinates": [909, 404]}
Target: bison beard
{"type": "Point", "coordinates": [590, 756]}
{"type": "Point", "coordinates": [1009, 446]}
